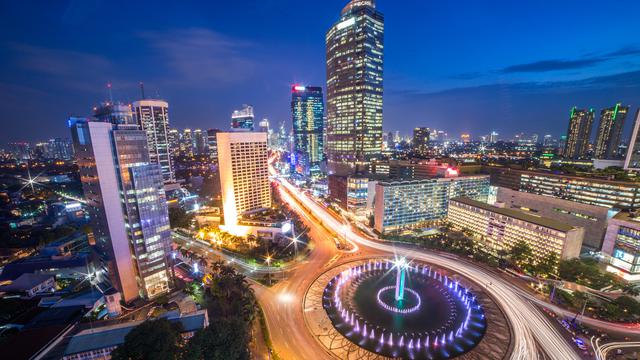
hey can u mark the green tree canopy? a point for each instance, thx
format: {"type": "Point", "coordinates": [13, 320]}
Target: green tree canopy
{"type": "Point", "coordinates": [151, 340]}
{"type": "Point", "coordinates": [224, 339]}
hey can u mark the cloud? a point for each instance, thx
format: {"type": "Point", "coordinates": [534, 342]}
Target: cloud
{"type": "Point", "coordinates": [58, 62]}
{"type": "Point", "coordinates": [586, 61]}
{"type": "Point", "coordinates": [202, 56]}
{"type": "Point", "coordinates": [552, 65]}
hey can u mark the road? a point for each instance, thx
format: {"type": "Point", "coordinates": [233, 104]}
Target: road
{"type": "Point", "coordinates": [533, 333]}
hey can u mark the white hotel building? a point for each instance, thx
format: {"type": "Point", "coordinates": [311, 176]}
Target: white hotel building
{"type": "Point", "coordinates": [501, 228]}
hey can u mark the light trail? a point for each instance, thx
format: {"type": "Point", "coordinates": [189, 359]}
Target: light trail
{"type": "Point", "coordinates": [531, 329]}
{"type": "Point", "coordinates": [601, 351]}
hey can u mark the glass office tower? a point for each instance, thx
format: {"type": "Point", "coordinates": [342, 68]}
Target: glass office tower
{"type": "Point", "coordinates": [354, 55]}
{"type": "Point", "coordinates": [307, 111]}
{"type": "Point", "coordinates": [127, 206]}
{"type": "Point", "coordinates": [610, 131]}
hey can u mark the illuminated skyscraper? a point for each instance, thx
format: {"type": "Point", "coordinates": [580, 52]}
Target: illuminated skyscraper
{"type": "Point", "coordinates": [579, 133]}
{"type": "Point", "coordinates": [153, 117]}
{"type": "Point", "coordinates": [307, 110]}
{"type": "Point", "coordinates": [610, 131]}
{"type": "Point", "coordinates": [244, 175]}
{"type": "Point", "coordinates": [199, 142]}
{"type": "Point", "coordinates": [242, 120]}
{"type": "Point", "coordinates": [114, 113]}
{"type": "Point", "coordinates": [212, 143]}
{"type": "Point", "coordinates": [354, 88]}
{"type": "Point", "coordinates": [127, 206]}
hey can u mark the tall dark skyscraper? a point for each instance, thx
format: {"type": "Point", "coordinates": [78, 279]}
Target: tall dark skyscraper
{"type": "Point", "coordinates": [610, 131]}
{"type": "Point", "coordinates": [307, 111]}
{"type": "Point", "coordinates": [420, 141]}
{"type": "Point", "coordinates": [354, 88]}
{"type": "Point", "coordinates": [579, 133]}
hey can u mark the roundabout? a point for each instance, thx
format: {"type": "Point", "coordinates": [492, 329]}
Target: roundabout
{"type": "Point", "coordinates": [384, 308]}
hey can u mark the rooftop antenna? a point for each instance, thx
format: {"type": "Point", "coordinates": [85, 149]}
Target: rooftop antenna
{"type": "Point", "coordinates": [142, 89]}
{"type": "Point", "coordinates": [110, 94]}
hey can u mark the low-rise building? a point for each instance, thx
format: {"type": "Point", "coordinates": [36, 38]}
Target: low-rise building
{"type": "Point", "coordinates": [590, 217]}
{"type": "Point", "coordinates": [29, 285]}
{"type": "Point", "coordinates": [622, 242]}
{"type": "Point", "coordinates": [586, 190]}
{"type": "Point", "coordinates": [411, 204]}
{"type": "Point", "coordinates": [500, 229]}
{"type": "Point", "coordinates": [99, 342]}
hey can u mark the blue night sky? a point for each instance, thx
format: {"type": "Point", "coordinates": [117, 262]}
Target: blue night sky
{"type": "Point", "coordinates": [460, 66]}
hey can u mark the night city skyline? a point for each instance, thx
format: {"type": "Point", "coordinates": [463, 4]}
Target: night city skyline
{"type": "Point", "coordinates": [342, 179]}
{"type": "Point", "coordinates": [439, 70]}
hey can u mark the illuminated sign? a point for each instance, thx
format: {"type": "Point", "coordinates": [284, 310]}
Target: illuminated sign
{"type": "Point", "coordinates": [299, 88]}
{"type": "Point", "coordinates": [346, 23]}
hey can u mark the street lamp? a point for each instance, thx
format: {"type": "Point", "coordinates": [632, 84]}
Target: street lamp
{"type": "Point", "coordinates": [269, 270]}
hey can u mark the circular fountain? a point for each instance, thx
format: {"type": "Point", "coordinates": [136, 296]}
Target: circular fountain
{"type": "Point", "coordinates": [402, 309]}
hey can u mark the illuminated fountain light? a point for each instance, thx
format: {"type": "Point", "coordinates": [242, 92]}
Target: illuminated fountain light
{"type": "Point", "coordinates": [391, 339]}
{"type": "Point", "coordinates": [401, 344]}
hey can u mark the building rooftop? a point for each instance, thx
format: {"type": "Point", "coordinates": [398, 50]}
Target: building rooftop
{"type": "Point", "coordinates": [113, 335]}
{"type": "Point", "coordinates": [33, 264]}
{"type": "Point", "coordinates": [26, 282]}
{"type": "Point", "coordinates": [516, 214]}
{"type": "Point", "coordinates": [400, 182]}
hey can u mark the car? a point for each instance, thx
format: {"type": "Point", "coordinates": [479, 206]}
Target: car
{"type": "Point", "coordinates": [580, 343]}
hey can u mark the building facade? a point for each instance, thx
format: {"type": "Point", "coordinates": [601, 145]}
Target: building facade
{"type": "Point", "coordinates": [354, 55]}
{"type": "Point", "coordinates": [114, 113]}
{"type": "Point", "coordinates": [409, 204]}
{"type": "Point", "coordinates": [592, 191]}
{"type": "Point", "coordinates": [127, 206]}
{"type": "Point", "coordinates": [632, 160]}
{"type": "Point", "coordinates": [420, 142]}
{"type": "Point", "coordinates": [500, 229]}
{"type": "Point", "coordinates": [592, 218]}
{"type": "Point", "coordinates": [242, 119]}
{"type": "Point", "coordinates": [578, 133]}
{"type": "Point", "coordinates": [622, 242]}
{"type": "Point", "coordinates": [307, 115]}
{"type": "Point", "coordinates": [244, 175]}
{"type": "Point", "coordinates": [610, 132]}
{"type": "Point", "coordinates": [153, 118]}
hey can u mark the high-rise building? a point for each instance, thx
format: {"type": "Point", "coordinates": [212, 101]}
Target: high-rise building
{"type": "Point", "coordinates": [127, 206]}
{"type": "Point", "coordinates": [632, 160]}
{"type": "Point", "coordinates": [186, 143]}
{"type": "Point", "coordinates": [59, 148]}
{"type": "Point", "coordinates": [20, 151]}
{"type": "Point", "coordinates": [153, 117]}
{"type": "Point", "coordinates": [114, 113]}
{"type": "Point", "coordinates": [610, 131]}
{"type": "Point", "coordinates": [307, 110]}
{"type": "Point", "coordinates": [199, 142]}
{"type": "Point", "coordinates": [493, 137]}
{"type": "Point", "coordinates": [244, 175]}
{"type": "Point", "coordinates": [242, 120]}
{"type": "Point", "coordinates": [212, 143]}
{"type": "Point", "coordinates": [354, 57]}
{"type": "Point", "coordinates": [465, 138]}
{"type": "Point", "coordinates": [578, 133]}
{"type": "Point", "coordinates": [174, 142]}
{"type": "Point", "coordinates": [420, 141]}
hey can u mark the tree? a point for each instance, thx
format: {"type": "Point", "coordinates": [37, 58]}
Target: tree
{"type": "Point", "coordinates": [153, 339]}
{"type": "Point", "coordinates": [521, 253]}
{"type": "Point", "coordinates": [547, 265]}
{"type": "Point", "coordinates": [178, 218]}
{"type": "Point", "coordinates": [224, 339]}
